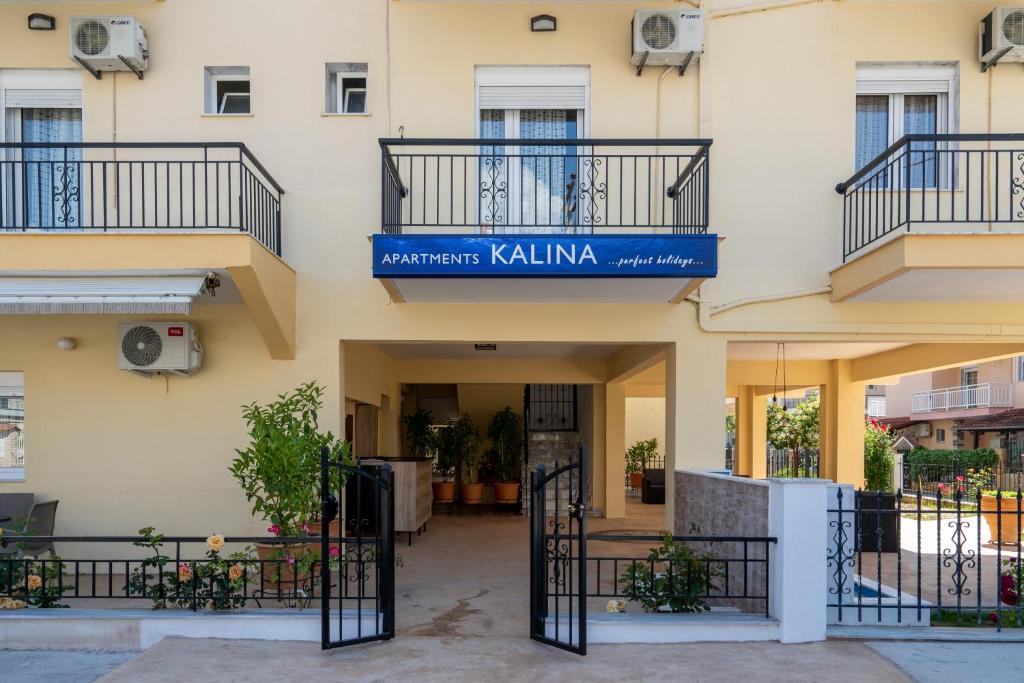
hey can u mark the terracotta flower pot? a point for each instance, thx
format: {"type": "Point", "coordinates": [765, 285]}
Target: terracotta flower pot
{"type": "Point", "coordinates": [333, 530]}
{"type": "Point", "coordinates": [1009, 533]}
{"type": "Point", "coordinates": [472, 494]}
{"type": "Point", "coordinates": [506, 492]}
{"type": "Point", "coordinates": [444, 491]}
{"type": "Point", "coordinates": [636, 480]}
{"type": "Point", "coordinates": [275, 568]}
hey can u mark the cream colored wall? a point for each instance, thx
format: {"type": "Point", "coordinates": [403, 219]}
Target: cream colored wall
{"type": "Point", "coordinates": [775, 90]}
{"type": "Point", "coordinates": [899, 397]}
{"type": "Point", "coordinates": [645, 419]}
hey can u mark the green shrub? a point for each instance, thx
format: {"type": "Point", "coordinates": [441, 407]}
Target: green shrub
{"type": "Point", "coordinates": [879, 457]}
{"type": "Point", "coordinates": [977, 458]}
{"type": "Point", "coordinates": [639, 454]}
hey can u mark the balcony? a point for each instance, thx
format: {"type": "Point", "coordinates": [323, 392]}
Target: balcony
{"type": "Point", "coordinates": [935, 218]}
{"type": "Point", "coordinates": [115, 227]}
{"type": "Point", "coordinates": [545, 220]}
{"type": "Point", "coordinates": [964, 398]}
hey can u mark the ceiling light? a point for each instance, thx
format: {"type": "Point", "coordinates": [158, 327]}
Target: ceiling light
{"type": "Point", "coordinates": [543, 22]}
{"type": "Point", "coordinates": [41, 22]}
{"type": "Point", "coordinates": [485, 347]}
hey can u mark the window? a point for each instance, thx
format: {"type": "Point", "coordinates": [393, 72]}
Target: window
{"type": "Point", "coordinates": [1020, 368]}
{"type": "Point", "coordinates": [968, 376]}
{"type": "Point", "coordinates": [40, 105]}
{"type": "Point", "coordinates": [228, 90]}
{"type": "Point", "coordinates": [940, 435]}
{"type": "Point", "coordinates": [12, 426]}
{"type": "Point", "coordinates": [897, 100]}
{"type": "Point", "coordinates": [345, 91]}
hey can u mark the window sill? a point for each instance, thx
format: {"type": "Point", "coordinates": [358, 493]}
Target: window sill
{"type": "Point", "coordinates": [12, 474]}
{"type": "Point", "coordinates": [206, 115]}
{"type": "Point", "coordinates": [344, 114]}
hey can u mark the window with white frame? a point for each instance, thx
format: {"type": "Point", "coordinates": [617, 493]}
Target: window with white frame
{"type": "Point", "coordinates": [894, 100]}
{"type": "Point", "coordinates": [227, 90]}
{"type": "Point", "coordinates": [12, 426]}
{"type": "Point", "coordinates": [346, 87]}
{"type": "Point", "coordinates": [1020, 368]}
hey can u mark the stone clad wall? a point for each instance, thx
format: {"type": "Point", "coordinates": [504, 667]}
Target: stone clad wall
{"type": "Point", "coordinates": [551, 448]}
{"type": "Point", "coordinates": [722, 505]}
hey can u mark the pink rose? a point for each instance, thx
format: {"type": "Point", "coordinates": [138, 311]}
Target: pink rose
{"type": "Point", "coordinates": [1007, 583]}
{"type": "Point", "coordinates": [305, 528]}
{"type": "Point", "coordinates": [291, 559]}
{"type": "Point", "coordinates": [274, 529]}
{"type": "Point", "coordinates": [1009, 597]}
{"type": "Point", "coordinates": [184, 573]}
{"type": "Point", "coordinates": [334, 551]}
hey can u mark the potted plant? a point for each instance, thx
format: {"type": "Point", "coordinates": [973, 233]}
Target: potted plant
{"type": "Point", "coordinates": [453, 445]}
{"type": "Point", "coordinates": [279, 473]}
{"type": "Point", "coordinates": [637, 457]}
{"type": "Point", "coordinates": [472, 488]}
{"type": "Point", "coordinates": [998, 507]}
{"type": "Point", "coordinates": [506, 434]}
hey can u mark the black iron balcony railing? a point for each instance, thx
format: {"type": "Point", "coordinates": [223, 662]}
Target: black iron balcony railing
{"type": "Point", "coordinates": [510, 186]}
{"type": "Point", "coordinates": [936, 180]}
{"type": "Point", "coordinates": [145, 186]}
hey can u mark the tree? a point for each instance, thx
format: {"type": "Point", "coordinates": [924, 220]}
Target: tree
{"type": "Point", "coordinates": [795, 429]}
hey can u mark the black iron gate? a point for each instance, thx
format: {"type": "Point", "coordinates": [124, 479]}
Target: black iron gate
{"type": "Point", "coordinates": [357, 593]}
{"type": "Point", "coordinates": [558, 552]}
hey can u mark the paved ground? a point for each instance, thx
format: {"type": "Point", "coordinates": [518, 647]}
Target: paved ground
{"type": "Point", "coordinates": [505, 659]}
{"type": "Point", "coordinates": [64, 666]}
{"type": "Point", "coordinates": [941, 662]}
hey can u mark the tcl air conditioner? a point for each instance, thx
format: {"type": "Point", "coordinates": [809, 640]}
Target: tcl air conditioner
{"type": "Point", "coordinates": [1001, 36]}
{"type": "Point", "coordinates": [670, 37]}
{"type": "Point", "coordinates": [109, 44]}
{"type": "Point", "coordinates": [148, 348]}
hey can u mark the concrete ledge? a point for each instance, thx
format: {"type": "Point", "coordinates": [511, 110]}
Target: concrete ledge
{"type": "Point", "coordinates": [86, 629]}
{"type": "Point", "coordinates": [672, 628]}
{"type": "Point", "coordinates": [933, 633]}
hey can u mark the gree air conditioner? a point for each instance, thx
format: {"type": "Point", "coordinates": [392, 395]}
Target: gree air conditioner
{"type": "Point", "coordinates": [1001, 36]}
{"type": "Point", "coordinates": [667, 37]}
{"type": "Point", "coordinates": [109, 44]}
{"type": "Point", "coordinates": [924, 430]}
{"type": "Point", "coordinates": [148, 348]}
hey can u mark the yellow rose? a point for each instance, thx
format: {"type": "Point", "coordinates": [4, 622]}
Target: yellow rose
{"type": "Point", "coordinates": [34, 582]}
{"type": "Point", "coordinates": [235, 572]}
{"type": "Point", "coordinates": [215, 542]}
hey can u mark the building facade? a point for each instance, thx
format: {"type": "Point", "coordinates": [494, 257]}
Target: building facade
{"type": "Point", "coordinates": [294, 162]}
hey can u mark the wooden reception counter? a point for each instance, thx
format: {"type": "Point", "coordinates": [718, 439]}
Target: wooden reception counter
{"type": "Point", "coordinates": [412, 490]}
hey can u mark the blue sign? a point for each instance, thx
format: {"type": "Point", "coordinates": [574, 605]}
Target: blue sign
{"type": "Point", "coordinates": [686, 256]}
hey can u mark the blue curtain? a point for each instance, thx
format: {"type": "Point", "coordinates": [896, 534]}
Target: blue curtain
{"type": "Point", "coordinates": [872, 127]}
{"type": "Point", "coordinates": [920, 116]}
{"type": "Point", "coordinates": [51, 174]}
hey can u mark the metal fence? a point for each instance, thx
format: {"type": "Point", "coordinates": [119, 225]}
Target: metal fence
{"type": "Point", "coordinates": [138, 186]}
{"type": "Point", "coordinates": [728, 571]}
{"type": "Point", "coordinates": [787, 462]}
{"type": "Point", "coordinates": [952, 475]}
{"type": "Point", "coordinates": [513, 186]}
{"type": "Point", "coordinates": [186, 576]}
{"type": "Point", "coordinates": [928, 180]}
{"type": "Point", "coordinates": [920, 560]}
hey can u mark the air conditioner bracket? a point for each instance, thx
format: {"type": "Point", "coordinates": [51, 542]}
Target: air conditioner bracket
{"type": "Point", "coordinates": [985, 66]}
{"type": "Point", "coordinates": [643, 62]}
{"type": "Point", "coordinates": [98, 75]}
{"type": "Point", "coordinates": [129, 65]}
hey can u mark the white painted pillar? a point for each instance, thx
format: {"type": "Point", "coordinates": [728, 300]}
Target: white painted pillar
{"type": "Point", "coordinates": [694, 410]}
{"type": "Point", "coordinates": [797, 517]}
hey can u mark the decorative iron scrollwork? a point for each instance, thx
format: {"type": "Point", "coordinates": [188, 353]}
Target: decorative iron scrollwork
{"type": "Point", "coordinates": [591, 190]}
{"type": "Point", "coordinates": [493, 189]}
{"type": "Point", "coordinates": [65, 194]}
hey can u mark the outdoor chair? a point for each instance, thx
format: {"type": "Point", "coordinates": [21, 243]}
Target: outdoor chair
{"type": "Point", "coordinates": [16, 506]}
{"type": "Point", "coordinates": [41, 523]}
{"type": "Point", "coordinates": [653, 491]}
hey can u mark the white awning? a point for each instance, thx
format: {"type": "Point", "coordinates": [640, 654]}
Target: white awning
{"type": "Point", "coordinates": [99, 294]}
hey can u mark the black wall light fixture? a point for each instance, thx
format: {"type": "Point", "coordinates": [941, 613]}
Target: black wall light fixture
{"type": "Point", "coordinates": [542, 23]}
{"type": "Point", "coordinates": [41, 22]}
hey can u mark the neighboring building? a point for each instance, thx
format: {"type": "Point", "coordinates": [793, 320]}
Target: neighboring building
{"type": "Point", "coordinates": [952, 407]}
{"type": "Point", "coordinates": [361, 234]}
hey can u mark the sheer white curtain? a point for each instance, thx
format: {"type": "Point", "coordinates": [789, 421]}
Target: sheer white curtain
{"type": "Point", "coordinates": [872, 127]}
{"type": "Point", "coordinates": [920, 116]}
{"type": "Point", "coordinates": [544, 177]}
{"type": "Point", "coordinates": [51, 185]}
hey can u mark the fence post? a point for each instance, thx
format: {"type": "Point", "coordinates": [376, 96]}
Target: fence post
{"type": "Point", "coordinates": [797, 517]}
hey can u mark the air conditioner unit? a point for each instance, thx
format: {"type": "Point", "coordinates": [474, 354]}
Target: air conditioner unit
{"type": "Point", "coordinates": [109, 44]}
{"type": "Point", "coordinates": [667, 37]}
{"type": "Point", "coordinates": [924, 430]}
{"type": "Point", "coordinates": [1001, 36]}
{"type": "Point", "coordinates": [148, 348]}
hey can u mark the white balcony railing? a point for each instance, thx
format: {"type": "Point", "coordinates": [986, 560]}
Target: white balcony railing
{"type": "Point", "coordinates": [988, 395]}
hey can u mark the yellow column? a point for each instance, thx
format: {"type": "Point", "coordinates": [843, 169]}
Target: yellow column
{"type": "Point", "coordinates": [694, 410]}
{"type": "Point", "coordinates": [751, 432]}
{"type": "Point", "coordinates": [615, 449]}
{"type": "Point", "coordinates": [842, 426]}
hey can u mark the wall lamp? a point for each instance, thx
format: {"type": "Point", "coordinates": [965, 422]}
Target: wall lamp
{"type": "Point", "coordinates": [542, 23]}
{"type": "Point", "coordinates": [41, 22]}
